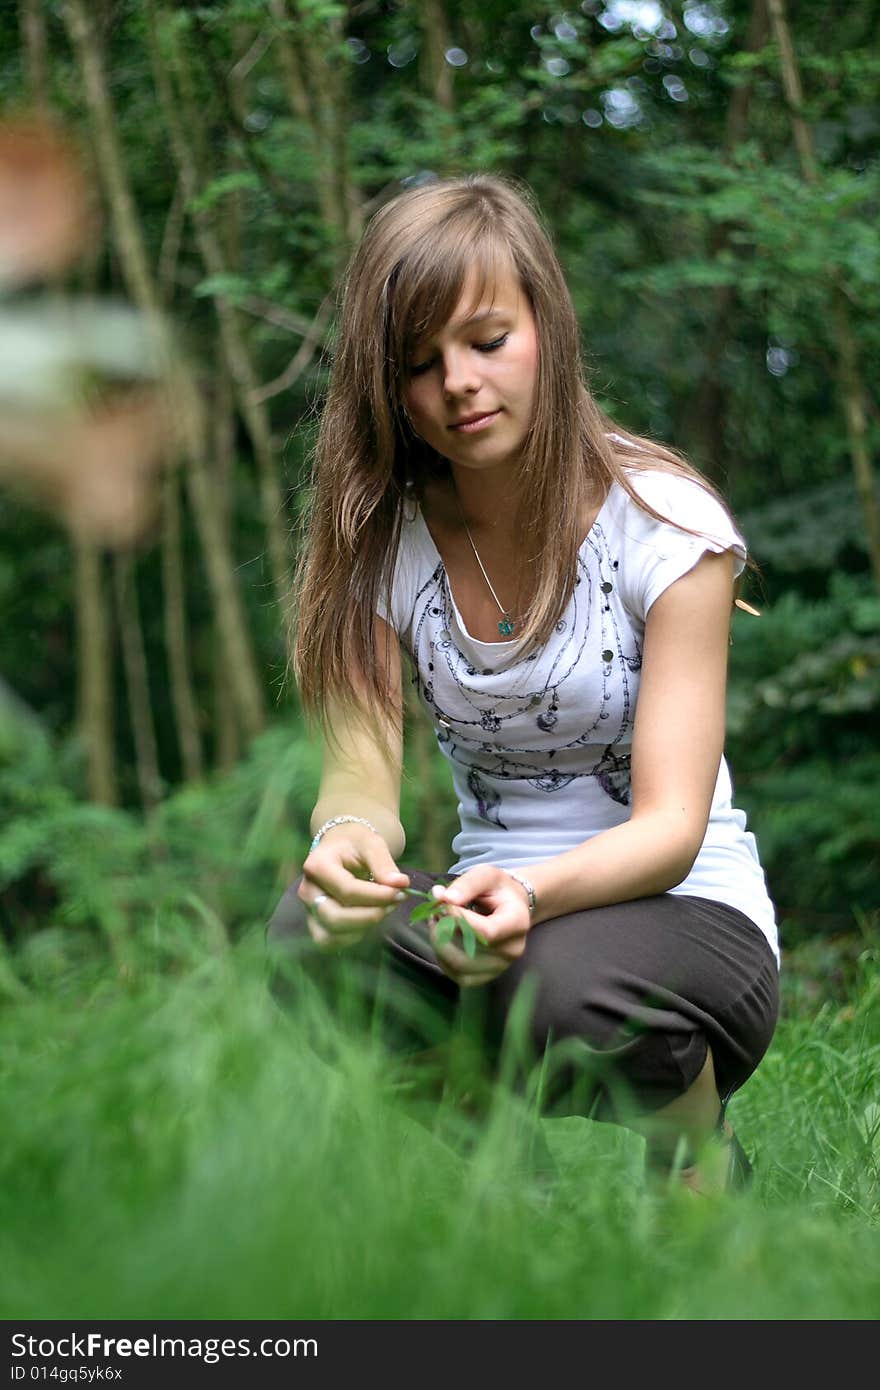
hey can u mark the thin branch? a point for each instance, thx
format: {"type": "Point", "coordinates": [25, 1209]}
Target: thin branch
{"type": "Point", "coordinates": [240, 70]}
{"type": "Point", "coordinates": [238, 132]}
{"type": "Point", "coordinates": [301, 360]}
{"type": "Point", "coordinates": [276, 314]}
{"type": "Point", "coordinates": [166, 273]}
{"type": "Point", "coordinates": [266, 309]}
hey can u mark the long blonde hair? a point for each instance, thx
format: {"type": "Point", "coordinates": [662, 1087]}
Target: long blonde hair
{"type": "Point", "coordinates": [403, 284]}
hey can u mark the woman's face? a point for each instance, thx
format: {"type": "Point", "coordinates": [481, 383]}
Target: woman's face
{"type": "Point", "coordinates": [469, 390]}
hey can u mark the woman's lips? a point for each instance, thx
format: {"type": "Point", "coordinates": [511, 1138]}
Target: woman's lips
{"type": "Point", "coordinates": [470, 426]}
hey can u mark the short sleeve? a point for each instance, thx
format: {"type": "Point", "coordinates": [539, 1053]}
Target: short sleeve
{"type": "Point", "coordinates": [656, 553]}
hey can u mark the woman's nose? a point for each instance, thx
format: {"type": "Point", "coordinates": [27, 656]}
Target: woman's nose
{"type": "Point", "coordinates": [460, 373]}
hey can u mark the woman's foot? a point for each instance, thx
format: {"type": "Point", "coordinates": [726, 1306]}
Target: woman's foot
{"type": "Point", "coordinates": [723, 1165]}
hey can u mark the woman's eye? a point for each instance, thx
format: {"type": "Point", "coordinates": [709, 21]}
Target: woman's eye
{"type": "Point", "coordinates": [418, 369]}
{"type": "Point", "coordinates": [422, 367]}
{"type": "Point", "coordinates": [495, 343]}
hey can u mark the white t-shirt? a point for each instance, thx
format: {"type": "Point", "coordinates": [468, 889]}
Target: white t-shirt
{"type": "Point", "coordinates": [539, 750]}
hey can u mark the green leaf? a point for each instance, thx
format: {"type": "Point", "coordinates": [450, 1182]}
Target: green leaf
{"type": "Point", "coordinates": [423, 911]}
{"type": "Point", "coordinates": [225, 285]}
{"type": "Point", "coordinates": [219, 188]}
{"type": "Point", "coordinates": [444, 931]}
{"type": "Point", "coordinates": [468, 939]}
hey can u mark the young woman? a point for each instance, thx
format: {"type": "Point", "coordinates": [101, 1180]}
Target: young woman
{"type": "Point", "coordinates": [563, 590]}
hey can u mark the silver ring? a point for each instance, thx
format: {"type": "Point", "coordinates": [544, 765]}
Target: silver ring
{"type": "Point", "coordinates": [317, 900]}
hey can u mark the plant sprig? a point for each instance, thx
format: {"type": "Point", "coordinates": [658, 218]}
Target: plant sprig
{"type": "Point", "coordinates": [447, 925]}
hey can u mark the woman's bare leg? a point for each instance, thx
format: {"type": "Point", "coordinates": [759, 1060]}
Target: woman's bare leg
{"type": "Point", "coordinates": [692, 1118]}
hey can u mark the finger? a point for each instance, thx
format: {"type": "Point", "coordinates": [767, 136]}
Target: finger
{"type": "Point", "coordinates": [383, 868]}
{"type": "Point", "coordinates": [483, 925]}
{"type": "Point", "coordinates": [473, 981]}
{"type": "Point", "coordinates": [317, 932]}
{"type": "Point", "coordinates": [331, 941]}
{"type": "Point", "coordinates": [503, 927]}
{"type": "Point", "coordinates": [512, 949]}
{"type": "Point", "coordinates": [338, 919]}
{"type": "Point", "coordinates": [458, 961]}
{"type": "Point", "coordinates": [329, 937]}
{"type": "Point", "coordinates": [336, 879]}
{"type": "Point", "coordinates": [466, 975]}
{"type": "Point", "coordinates": [467, 886]}
{"type": "Point", "coordinates": [456, 942]}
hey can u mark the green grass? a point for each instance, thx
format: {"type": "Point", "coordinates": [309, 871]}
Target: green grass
{"type": "Point", "coordinates": [174, 1148]}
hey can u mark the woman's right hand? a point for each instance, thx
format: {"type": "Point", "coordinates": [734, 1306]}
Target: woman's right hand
{"type": "Point", "coordinates": [350, 883]}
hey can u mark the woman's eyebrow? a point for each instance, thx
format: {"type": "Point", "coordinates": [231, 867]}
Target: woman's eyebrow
{"type": "Point", "coordinates": [481, 317]}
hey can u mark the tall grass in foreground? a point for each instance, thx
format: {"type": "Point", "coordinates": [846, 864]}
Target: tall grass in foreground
{"type": "Point", "coordinates": [174, 1148]}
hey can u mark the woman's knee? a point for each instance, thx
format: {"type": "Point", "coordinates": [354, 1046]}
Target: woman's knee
{"type": "Point", "coordinates": [289, 949]}
{"type": "Point", "coordinates": [288, 922]}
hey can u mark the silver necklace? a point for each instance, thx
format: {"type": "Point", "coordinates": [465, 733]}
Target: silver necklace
{"type": "Point", "coordinates": [506, 624]}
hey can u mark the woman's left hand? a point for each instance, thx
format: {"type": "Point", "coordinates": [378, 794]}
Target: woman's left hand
{"type": "Point", "coordinates": [497, 908]}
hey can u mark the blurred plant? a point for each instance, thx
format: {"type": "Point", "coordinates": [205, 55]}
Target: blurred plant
{"type": "Point", "coordinates": [86, 422]}
{"type": "Point", "coordinates": [802, 712]}
{"type": "Point", "coordinates": [221, 850]}
{"type": "Point", "coordinates": [46, 214]}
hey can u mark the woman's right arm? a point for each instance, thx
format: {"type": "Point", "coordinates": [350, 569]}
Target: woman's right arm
{"type": "Point", "coordinates": [361, 771]}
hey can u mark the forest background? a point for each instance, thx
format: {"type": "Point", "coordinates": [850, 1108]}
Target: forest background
{"type": "Point", "coordinates": [710, 174]}
{"type": "Point", "coordinates": [174, 1145]}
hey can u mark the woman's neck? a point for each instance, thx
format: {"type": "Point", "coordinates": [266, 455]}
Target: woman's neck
{"type": "Point", "coordinates": [486, 503]}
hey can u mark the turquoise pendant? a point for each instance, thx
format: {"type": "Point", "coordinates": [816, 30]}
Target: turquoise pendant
{"type": "Point", "coordinates": [506, 626]}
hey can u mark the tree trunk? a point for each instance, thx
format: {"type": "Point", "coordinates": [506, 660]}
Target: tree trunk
{"type": "Point", "coordinates": [226, 743]}
{"type": "Point", "coordinates": [94, 660]}
{"type": "Point", "coordinates": [33, 33]}
{"type": "Point", "coordinates": [244, 682]}
{"type": "Point", "coordinates": [94, 675]}
{"type": "Point", "coordinates": [791, 82]}
{"type": "Point", "coordinates": [706, 410]}
{"type": "Point", "coordinates": [183, 697]}
{"type": "Point", "coordinates": [317, 93]}
{"type": "Point", "coordinates": [135, 662]}
{"type": "Point", "coordinates": [437, 73]}
{"type": "Point", "coordinates": [849, 373]}
{"type": "Point", "coordinates": [181, 122]}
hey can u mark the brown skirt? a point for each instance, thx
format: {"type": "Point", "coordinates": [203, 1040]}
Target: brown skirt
{"type": "Point", "coordinates": [618, 1004]}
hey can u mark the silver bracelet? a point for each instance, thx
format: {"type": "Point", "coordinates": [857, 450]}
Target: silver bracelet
{"type": "Point", "coordinates": [524, 882]}
{"type": "Point", "coordinates": [340, 820]}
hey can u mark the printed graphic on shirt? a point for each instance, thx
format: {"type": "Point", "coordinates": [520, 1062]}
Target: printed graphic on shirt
{"type": "Point", "coordinates": [613, 775]}
{"type": "Point", "coordinates": [563, 714]}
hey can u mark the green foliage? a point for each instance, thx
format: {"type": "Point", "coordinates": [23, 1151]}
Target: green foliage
{"type": "Point", "coordinates": [447, 925]}
{"type": "Point", "coordinates": [239, 181]}
{"type": "Point", "coordinates": [781, 230]}
{"type": "Point", "coordinates": [224, 286]}
{"type": "Point", "coordinates": [703, 269]}
{"type": "Point", "coordinates": [809, 531]}
{"type": "Point", "coordinates": [802, 718]}
{"type": "Point", "coordinates": [221, 1134]}
{"type": "Point", "coordinates": [226, 843]}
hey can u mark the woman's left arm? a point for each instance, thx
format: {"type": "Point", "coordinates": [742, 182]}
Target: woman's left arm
{"type": "Point", "coordinates": [678, 740]}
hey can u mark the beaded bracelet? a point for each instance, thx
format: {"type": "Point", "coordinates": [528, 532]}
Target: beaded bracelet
{"type": "Point", "coordinates": [524, 883]}
{"type": "Point", "coordinates": [340, 820]}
